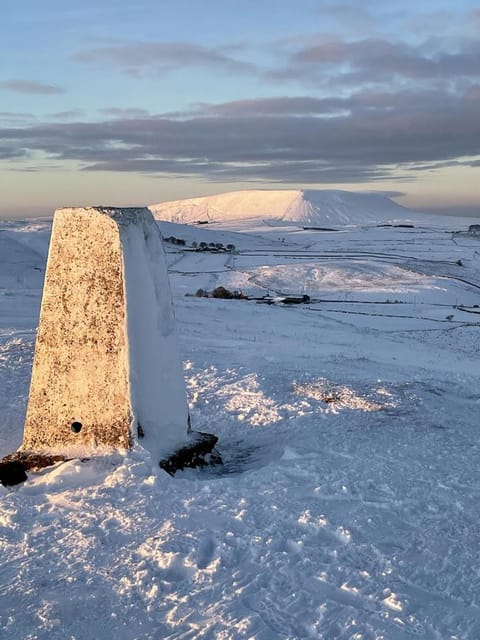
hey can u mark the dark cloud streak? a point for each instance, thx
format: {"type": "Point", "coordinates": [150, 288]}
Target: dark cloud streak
{"type": "Point", "coordinates": [126, 112]}
{"type": "Point", "coordinates": [335, 62]}
{"type": "Point", "coordinates": [30, 87]}
{"type": "Point", "coordinates": [371, 136]}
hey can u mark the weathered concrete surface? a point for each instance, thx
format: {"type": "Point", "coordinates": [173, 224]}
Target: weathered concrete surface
{"type": "Point", "coordinates": [107, 369]}
{"type": "Point", "coordinates": [79, 393]}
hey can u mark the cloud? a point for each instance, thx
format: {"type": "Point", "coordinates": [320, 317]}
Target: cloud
{"type": "Point", "coordinates": [281, 105]}
{"type": "Point", "coordinates": [29, 86]}
{"type": "Point", "coordinates": [367, 136]}
{"type": "Point", "coordinates": [67, 115]}
{"type": "Point", "coordinates": [14, 118]}
{"type": "Point", "coordinates": [277, 106]}
{"type": "Point", "coordinates": [333, 61]}
{"type": "Point", "coordinates": [329, 62]}
{"type": "Point", "coordinates": [434, 166]}
{"type": "Point", "coordinates": [405, 101]}
{"type": "Point", "coordinates": [311, 172]}
{"type": "Point", "coordinates": [118, 112]}
{"type": "Point", "coordinates": [161, 57]}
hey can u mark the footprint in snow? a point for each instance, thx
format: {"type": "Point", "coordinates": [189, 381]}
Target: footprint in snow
{"type": "Point", "coordinates": [206, 551]}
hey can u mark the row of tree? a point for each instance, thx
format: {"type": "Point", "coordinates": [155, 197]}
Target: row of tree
{"type": "Point", "coordinates": [200, 246]}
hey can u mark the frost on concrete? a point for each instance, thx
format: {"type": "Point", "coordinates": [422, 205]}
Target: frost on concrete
{"type": "Point", "coordinates": [106, 361]}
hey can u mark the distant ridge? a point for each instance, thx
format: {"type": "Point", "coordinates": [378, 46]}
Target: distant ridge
{"type": "Point", "coordinates": [310, 207]}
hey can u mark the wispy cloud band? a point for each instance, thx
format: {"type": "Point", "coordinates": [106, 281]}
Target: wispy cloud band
{"type": "Point", "coordinates": [138, 58]}
{"type": "Point", "coordinates": [30, 86]}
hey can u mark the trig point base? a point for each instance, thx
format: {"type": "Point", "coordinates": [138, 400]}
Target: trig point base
{"type": "Point", "coordinates": [107, 370]}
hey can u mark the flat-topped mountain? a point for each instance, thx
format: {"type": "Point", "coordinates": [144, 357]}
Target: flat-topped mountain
{"type": "Point", "coordinates": [312, 207]}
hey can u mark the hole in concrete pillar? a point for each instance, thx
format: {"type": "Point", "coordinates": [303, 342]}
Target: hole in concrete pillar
{"type": "Point", "coordinates": [76, 427]}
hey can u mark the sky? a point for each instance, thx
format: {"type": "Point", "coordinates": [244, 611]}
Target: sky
{"type": "Point", "coordinates": [131, 103]}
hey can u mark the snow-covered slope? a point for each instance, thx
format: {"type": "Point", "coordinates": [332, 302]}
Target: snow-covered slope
{"type": "Point", "coordinates": [348, 503]}
{"type": "Point", "coordinates": [313, 207]}
{"type": "Point", "coordinates": [23, 257]}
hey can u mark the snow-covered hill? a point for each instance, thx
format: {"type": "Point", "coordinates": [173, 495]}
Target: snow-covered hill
{"type": "Point", "coordinates": [312, 207]}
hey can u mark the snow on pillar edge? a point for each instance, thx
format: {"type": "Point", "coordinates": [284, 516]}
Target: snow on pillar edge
{"type": "Point", "coordinates": [107, 365]}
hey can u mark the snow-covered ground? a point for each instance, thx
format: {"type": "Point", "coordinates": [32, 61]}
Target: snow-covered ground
{"type": "Point", "coordinates": [348, 503]}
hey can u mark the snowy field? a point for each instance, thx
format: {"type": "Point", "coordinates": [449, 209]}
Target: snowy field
{"type": "Point", "coordinates": [349, 426]}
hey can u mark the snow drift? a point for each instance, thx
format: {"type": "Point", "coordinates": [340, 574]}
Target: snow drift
{"type": "Point", "coordinates": [312, 207]}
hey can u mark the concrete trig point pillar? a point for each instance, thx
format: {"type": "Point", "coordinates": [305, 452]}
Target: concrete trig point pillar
{"type": "Point", "coordinates": [107, 369]}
